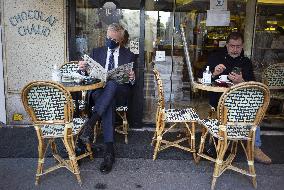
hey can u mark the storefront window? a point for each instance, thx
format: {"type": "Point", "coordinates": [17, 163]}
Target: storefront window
{"type": "Point", "coordinates": [268, 49]}
{"type": "Point", "coordinates": [163, 42]}
{"type": "Point", "coordinates": [269, 36]}
{"type": "Point", "coordinates": [162, 34]}
{"type": "Point", "coordinates": [92, 20]}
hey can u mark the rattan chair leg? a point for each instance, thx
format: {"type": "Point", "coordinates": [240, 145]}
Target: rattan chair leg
{"type": "Point", "coordinates": [73, 164]}
{"type": "Point", "coordinates": [76, 171]}
{"type": "Point", "coordinates": [204, 133]}
{"type": "Point", "coordinates": [125, 127]}
{"type": "Point", "coordinates": [250, 155]}
{"type": "Point", "coordinates": [221, 149]}
{"type": "Point", "coordinates": [157, 147]}
{"type": "Point", "coordinates": [214, 180]}
{"type": "Point", "coordinates": [53, 147]}
{"type": "Point", "coordinates": [158, 121]}
{"type": "Point", "coordinates": [192, 144]}
{"type": "Point", "coordinates": [41, 152]}
{"type": "Point", "coordinates": [154, 138]}
{"type": "Point", "coordinates": [97, 130]}
{"type": "Point", "coordinates": [89, 149]}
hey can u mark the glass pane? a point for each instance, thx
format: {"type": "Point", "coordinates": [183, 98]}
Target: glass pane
{"type": "Point", "coordinates": [92, 22]}
{"type": "Point", "coordinates": [269, 36]}
{"type": "Point", "coordinates": [268, 47]}
{"type": "Point", "coordinates": [162, 33]}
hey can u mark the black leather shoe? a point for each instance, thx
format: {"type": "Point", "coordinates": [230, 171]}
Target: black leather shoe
{"type": "Point", "coordinates": [106, 165]}
{"type": "Point", "coordinates": [87, 132]}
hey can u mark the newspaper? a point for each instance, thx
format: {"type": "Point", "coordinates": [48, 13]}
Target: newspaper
{"type": "Point", "coordinates": [119, 74]}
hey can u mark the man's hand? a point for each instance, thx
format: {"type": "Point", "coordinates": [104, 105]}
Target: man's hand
{"type": "Point", "coordinates": [219, 69]}
{"type": "Point", "coordinates": [236, 78]}
{"type": "Point", "coordinates": [131, 75]}
{"type": "Point", "coordinates": [83, 65]}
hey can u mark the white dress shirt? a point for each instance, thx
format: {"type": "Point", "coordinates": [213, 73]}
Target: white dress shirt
{"type": "Point", "coordinates": [115, 54]}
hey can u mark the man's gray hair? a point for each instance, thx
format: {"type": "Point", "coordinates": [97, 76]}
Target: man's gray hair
{"type": "Point", "coordinates": [116, 28]}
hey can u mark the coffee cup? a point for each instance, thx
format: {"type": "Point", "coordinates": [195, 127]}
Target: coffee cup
{"type": "Point", "coordinates": [223, 77]}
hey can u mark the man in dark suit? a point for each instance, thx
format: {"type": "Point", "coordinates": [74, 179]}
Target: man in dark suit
{"type": "Point", "coordinates": [110, 56]}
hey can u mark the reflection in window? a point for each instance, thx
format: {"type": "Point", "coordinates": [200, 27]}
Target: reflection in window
{"type": "Point", "coordinates": [162, 33]}
{"type": "Point", "coordinates": [91, 26]}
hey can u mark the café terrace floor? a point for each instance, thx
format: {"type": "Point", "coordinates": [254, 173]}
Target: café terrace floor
{"type": "Point", "coordinates": [134, 167]}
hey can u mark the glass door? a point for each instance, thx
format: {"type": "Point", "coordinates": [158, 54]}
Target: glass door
{"type": "Point", "coordinates": [88, 22]}
{"type": "Point", "coordinates": [164, 47]}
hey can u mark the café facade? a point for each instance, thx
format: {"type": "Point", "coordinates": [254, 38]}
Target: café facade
{"type": "Point", "coordinates": [38, 34]}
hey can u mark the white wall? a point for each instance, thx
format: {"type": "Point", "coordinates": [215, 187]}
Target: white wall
{"type": "Point", "coordinates": [34, 40]}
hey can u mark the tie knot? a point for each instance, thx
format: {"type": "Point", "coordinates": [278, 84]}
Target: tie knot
{"type": "Point", "coordinates": [112, 51]}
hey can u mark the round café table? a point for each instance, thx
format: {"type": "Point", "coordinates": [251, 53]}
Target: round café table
{"type": "Point", "coordinates": [75, 87]}
{"type": "Point", "coordinates": [211, 88]}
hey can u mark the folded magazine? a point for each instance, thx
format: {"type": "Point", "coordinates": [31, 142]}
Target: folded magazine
{"type": "Point", "coordinates": [119, 74]}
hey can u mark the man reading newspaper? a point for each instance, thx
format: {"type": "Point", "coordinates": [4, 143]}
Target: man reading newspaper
{"type": "Point", "coordinates": [111, 56]}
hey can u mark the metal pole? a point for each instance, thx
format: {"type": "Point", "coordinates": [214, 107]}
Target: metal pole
{"type": "Point", "coordinates": [186, 54]}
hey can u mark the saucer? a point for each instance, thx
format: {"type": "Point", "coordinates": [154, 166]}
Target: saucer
{"type": "Point", "coordinates": [67, 80]}
{"type": "Point", "coordinates": [221, 81]}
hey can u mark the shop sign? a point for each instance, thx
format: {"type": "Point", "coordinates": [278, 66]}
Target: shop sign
{"type": "Point", "coordinates": [160, 56]}
{"type": "Point", "coordinates": [43, 27]}
{"type": "Point", "coordinates": [218, 4]}
{"type": "Point", "coordinates": [109, 16]}
{"type": "Point", "coordinates": [218, 18]}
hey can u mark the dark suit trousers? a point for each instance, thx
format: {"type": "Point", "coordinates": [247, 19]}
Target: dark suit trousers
{"type": "Point", "coordinates": [104, 100]}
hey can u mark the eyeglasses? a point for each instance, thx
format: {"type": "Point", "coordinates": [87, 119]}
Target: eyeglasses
{"type": "Point", "coordinates": [112, 39]}
{"type": "Point", "coordinates": [235, 46]}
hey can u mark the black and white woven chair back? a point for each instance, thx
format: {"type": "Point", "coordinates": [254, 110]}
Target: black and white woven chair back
{"type": "Point", "coordinates": [69, 67]}
{"type": "Point", "coordinates": [246, 102]}
{"type": "Point", "coordinates": [47, 102]}
{"type": "Point", "coordinates": [161, 100]}
{"type": "Point", "coordinates": [274, 75]}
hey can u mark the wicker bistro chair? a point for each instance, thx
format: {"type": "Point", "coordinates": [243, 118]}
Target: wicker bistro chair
{"type": "Point", "coordinates": [240, 110]}
{"type": "Point", "coordinates": [123, 128]}
{"type": "Point", "coordinates": [50, 107]}
{"type": "Point", "coordinates": [79, 98]}
{"type": "Point", "coordinates": [273, 77]}
{"type": "Point", "coordinates": [174, 116]}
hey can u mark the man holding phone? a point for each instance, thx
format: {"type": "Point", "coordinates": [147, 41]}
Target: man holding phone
{"type": "Point", "coordinates": [232, 62]}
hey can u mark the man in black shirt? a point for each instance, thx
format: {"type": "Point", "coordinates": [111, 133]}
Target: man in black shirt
{"type": "Point", "coordinates": [232, 62]}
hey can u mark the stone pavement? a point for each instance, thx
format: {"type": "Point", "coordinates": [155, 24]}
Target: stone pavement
{"type": "Point", "coordinates": [129, 174]}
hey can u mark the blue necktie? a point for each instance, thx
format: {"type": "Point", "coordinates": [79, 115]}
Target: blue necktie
{"type": "Point", "coordinates": [111, 60]}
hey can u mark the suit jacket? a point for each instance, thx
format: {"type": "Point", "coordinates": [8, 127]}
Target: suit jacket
{"type": "Point", "coordinates": [125, 56]}
{"type": "Point", "coordinates": [100, 55]}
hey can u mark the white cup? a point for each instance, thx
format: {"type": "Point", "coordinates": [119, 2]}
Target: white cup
{"type": "Point", "coordinates": [223, 77]}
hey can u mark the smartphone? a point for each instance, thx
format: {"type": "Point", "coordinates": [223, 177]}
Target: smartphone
{"type": "Point", "coordinates": [237, 70]}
